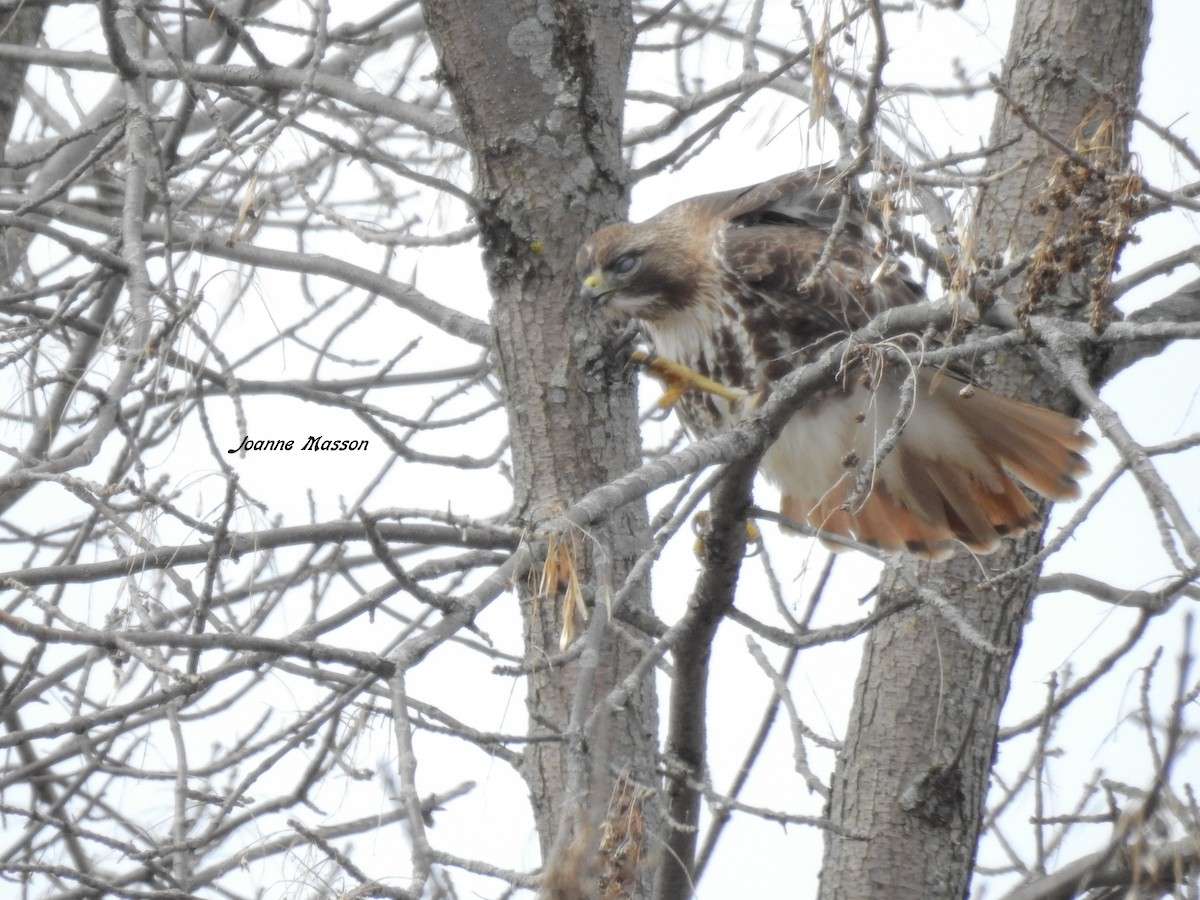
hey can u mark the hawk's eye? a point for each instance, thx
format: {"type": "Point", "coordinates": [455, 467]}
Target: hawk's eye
{"type": "Point", "coordinates": [627, 263]}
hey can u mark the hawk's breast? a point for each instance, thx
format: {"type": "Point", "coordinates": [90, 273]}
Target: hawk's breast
{"type": "Point", "coordinates": [711, 338]}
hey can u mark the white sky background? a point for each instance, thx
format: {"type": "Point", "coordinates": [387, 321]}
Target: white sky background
{"type": "Point", "coordinates": [1118, 542]}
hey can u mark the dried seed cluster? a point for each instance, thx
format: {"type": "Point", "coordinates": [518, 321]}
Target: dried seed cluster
{"type": "Point", "coordinates": [1092, 200]}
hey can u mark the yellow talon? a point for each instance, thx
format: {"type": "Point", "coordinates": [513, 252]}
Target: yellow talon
{"type": "Point", "coordinates": [671, 396]}
{"type": "Point", "coordinates": [679, 379]}
{"type": "Point", "coordinates": [700, 523]}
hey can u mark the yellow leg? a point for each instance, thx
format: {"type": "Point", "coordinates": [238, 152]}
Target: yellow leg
{"type": "Point", "coordinates": [700, 526]}
{"type": "Point", "coordinates": [679, 379]}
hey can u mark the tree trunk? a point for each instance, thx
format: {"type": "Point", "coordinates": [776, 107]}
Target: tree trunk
{"type": "Point", "coordinates": [22, 27]}
{"type": "Point", "coordinates": [911, 782]}
{"type": "Point", "coordinates": [539, 96]}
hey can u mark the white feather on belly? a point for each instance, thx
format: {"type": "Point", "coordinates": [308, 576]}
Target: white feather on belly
{"type": "Point", "coordinates": [686, 338]}
{"type": "Point", "coordinates": [823, 443]}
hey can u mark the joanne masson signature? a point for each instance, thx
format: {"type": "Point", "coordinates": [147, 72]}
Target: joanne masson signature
{"type": "Point", "coordinates": [317, 442]}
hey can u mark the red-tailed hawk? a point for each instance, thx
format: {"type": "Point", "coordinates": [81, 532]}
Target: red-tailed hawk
{"type": "Point", "coordinates": [720, 285]}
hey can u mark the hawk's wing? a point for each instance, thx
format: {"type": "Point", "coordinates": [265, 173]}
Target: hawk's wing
{"type": "Point", "coordinates": [810, 199]}
{"type": "Point", "coordinates": [793, 276]}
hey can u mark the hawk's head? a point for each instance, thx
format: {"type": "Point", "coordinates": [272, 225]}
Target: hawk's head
{"type": "Point", "coordinates": [646, 271]}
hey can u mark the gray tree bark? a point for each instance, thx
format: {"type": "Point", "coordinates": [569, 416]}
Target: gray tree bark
{"type": "Point", "coordinates": [911, 782]}
{"type": "Point", "coordinates": [539, 89]}
{"type": "Point", "coordinates": [21, 27]}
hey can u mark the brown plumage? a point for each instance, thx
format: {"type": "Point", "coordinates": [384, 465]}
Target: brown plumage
{"type": "Point", "coordinates": [719, 284]}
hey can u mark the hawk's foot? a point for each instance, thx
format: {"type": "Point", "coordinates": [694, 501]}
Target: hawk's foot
{"type": "Point", "coordinates": [679, 379]}
{"type": "Point", "coordinates": [700, 526]}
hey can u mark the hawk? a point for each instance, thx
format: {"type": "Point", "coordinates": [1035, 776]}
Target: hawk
{"type": "Point", "coordinates": [741, 287]}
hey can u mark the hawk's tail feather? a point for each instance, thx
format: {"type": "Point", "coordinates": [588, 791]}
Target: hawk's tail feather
{"type": "Point", "coordinates": [955, 479]}
{"type": "Point", "coordinates": [878, 523]}
{"type": "Point", "coordinates": [887, 523]}
{"type": "Point", "coordinates": [1039, 446]}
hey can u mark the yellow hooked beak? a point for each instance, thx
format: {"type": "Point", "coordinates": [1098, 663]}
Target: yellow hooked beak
{"type": "Point", "coordinates": [595, 287]}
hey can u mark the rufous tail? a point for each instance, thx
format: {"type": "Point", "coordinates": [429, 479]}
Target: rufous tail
{"type": "Point", "coordinates": [952, 475]}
